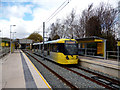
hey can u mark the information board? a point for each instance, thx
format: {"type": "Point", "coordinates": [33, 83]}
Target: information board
{"type": "Point", "coordinates": [118, 43]}
{"type": "Point", "coordinates": [70, 42]}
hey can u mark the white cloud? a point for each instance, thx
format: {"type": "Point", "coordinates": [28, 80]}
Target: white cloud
{"type": "Point", "coordinates": [43, 9]}
{"type": "Point", "coordinates": [20, 27]}
{"type": "Point", "coordinates": [16, 11]}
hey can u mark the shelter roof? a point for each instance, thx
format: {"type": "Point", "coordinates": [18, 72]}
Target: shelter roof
{"type": "Point", "coordinates": [91, 39]}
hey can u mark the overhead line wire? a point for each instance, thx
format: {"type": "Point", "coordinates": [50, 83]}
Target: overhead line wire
{"type": "Point", "coordinates": [56, 12]}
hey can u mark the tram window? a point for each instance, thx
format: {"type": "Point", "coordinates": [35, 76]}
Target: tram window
{"type": "Point", "coordinates": [41, 46]}
{"type": "Point", "coordinates": [45, 47]}
{"type": "Point", "coordinates": [79, 45]}
{"type": "Point", "coordinates": [71, 49]}
{"type": "Point", "coordinates": [35, 47]}
{"type": "Point", "coordinates": [61, 47]}
{"type": "Point", "coordinates": [50, 47]}
{"type": "Point", "coordinates": [53, 47]}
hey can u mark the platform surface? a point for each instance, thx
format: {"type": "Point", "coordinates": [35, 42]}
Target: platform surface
{"type": "Point", "coordinates": [102, 62]}
{"type": "Point", "coordinates": [19, 72]}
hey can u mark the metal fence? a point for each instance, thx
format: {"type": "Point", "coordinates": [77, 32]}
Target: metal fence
{"type": "Point", "coordinates": [91, 52]}
{"type": "Point", "coordinates": [4, 51]}
{"type": "Point", "coordinates": [113, 55]}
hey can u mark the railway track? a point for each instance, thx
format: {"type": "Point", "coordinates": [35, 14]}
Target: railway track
{"type": "Point", "coordinates": [98, 79]}
{"type": "Point", "coordinates": [99, 76]}
{"type": "Point", "coordinates": [57, 75]}
{"type": "Point", "coordinates": [3, 54]}
{"type": "Point", "coordinates": [101, 80]}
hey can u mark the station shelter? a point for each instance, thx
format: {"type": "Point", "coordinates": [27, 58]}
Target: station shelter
{"type": "Point", "coordinates": [25, 43]}
{"type": "Point", "coordinates": [118, 49]}
{"type": "Point", "coordinates": [5, 45]}
{"type": "Point", "coordinates": [4, 42]}
{"type": "Point", "coordinates": [92, 46]}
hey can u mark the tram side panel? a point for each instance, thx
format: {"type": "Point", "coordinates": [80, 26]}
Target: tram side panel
{"type": "Point", "coordinates": [56, 53]}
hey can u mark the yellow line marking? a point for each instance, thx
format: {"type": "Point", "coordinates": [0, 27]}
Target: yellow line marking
{"type": "Point", "coordinates": [38, 72]}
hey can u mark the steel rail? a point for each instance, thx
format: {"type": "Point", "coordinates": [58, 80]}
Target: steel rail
{"type": "Point", "coordinates": [89, 78]}
{"type": "Point", "coordinates": [60, 77]}
{"type": "Point", "coordinates": [101, 76]}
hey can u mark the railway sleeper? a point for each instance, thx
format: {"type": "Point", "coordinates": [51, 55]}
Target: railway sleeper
{"type": "Point", "coordinates": [97, 78]}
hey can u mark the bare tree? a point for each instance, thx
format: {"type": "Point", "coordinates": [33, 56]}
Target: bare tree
{"type": "Point", "coordinates": [107, 15]}
{"type": "Point", "coordinates": [61, 31]}
{"type": "Point", "coordinates": [98, 21]}
{"type": "Point", "coordinates": [69, 24]}
{"type": "Point", "coordinates": [93, 27]}
{"type": "Point", "coordinates": [82, 22]}
{"type": "Point", "coordinates": [54, 29]}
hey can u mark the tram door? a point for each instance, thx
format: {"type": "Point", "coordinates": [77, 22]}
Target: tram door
{"type": "Point", "coordinates": [48, 49]}
{"type": "Point", "coordinates": [118, 52]}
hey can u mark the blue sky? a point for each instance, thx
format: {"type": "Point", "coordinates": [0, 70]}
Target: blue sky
{"type": "Point", "coordinates": [28, 15]}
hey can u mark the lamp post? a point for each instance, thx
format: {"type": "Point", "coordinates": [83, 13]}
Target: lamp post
{"type": "Point", "coordinates": [13, 34]}
{"type": "Point", "coordinates": [0, 41]}
{"type": "Point", "coordinates": [10, 36]}
{"type": "Point", "coordinates": [43, 39]}
{"type": "Point", "coordinates": [0, 34]}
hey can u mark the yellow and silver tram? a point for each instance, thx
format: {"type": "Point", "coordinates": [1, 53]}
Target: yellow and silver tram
{"type": "Point", "coordinates": [62, 51]}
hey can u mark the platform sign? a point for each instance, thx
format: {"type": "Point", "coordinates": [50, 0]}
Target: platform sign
{"type": "Point", "coordinates": [7, 44]}
{"type": "Point", "coordinates": [98, 40]}
{"type": "Point", "coordinates": [25, 41]}
{"type": "Point", "coordinates": [83, 45]}
{"type": "Point", "coordinates": [118, 43]}
{"type": "Point", "coordinates": [99, 48]}
{"type": "Point", "coordinates": [70, 42]}
{"type": "Point", "coordinates": [2, 44]}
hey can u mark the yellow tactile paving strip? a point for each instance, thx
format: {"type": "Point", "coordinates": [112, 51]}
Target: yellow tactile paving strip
{"type": "Point", "coordinates": [38, 72]}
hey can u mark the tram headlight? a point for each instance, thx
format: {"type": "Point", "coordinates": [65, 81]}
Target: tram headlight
{"type": "Point", "coordinates": [67, 57]}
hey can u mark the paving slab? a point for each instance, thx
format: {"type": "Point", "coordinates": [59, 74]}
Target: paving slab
{"type": "Point", "coordinates": [17, 71]}
{"type": "Point", "coordinates": [12, 71]}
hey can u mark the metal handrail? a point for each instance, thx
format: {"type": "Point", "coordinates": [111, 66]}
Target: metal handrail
{"type": "Point", "coordinates": [4, 51]}
{"type": "Point", "coordinates": [115, 55]}
{"type": "Point", "coordinates": [111, 51]}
